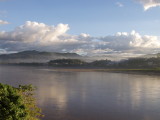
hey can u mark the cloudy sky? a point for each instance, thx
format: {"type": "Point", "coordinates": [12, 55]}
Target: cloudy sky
{"type": "Point", "coordinates": [87, 27]}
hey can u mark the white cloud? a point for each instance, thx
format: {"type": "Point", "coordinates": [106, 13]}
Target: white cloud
{"type": "Point", "coordinates": [119, 4]}
{"type": "Point", "coordinates": [147, 4]}
{"type": "Point", "coordinates": [2, 22]}
{"type": "Point", "coordinates": [39, 36]}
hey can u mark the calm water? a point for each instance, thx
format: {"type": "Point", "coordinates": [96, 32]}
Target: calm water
{"type": "Point", "coordinates": [89, 95]}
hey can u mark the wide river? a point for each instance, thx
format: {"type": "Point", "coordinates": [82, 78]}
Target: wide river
{"type": "Point", "coordinates": [69, 95]}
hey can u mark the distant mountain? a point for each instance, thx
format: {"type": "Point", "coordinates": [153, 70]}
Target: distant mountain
{"type": "Point", "coordinates": [36, 56]}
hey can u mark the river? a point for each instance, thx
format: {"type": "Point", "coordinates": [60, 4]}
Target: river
{"type": "Point", "coordinates": [75, 95]}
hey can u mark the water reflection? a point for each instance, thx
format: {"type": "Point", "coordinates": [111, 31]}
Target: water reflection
{"type": "Point", "coordinates": [57, 94]}
{"type": "Point", "coordinates": [90, 95]}
{"type": "Point", "coordinates": [145, 92]}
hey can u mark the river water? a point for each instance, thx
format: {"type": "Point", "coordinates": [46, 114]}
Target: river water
{"type": "Point", "coordinates": [69, 95]}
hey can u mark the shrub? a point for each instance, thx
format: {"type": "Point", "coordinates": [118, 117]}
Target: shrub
{"type": "Point", "coordinates": [18, 103]}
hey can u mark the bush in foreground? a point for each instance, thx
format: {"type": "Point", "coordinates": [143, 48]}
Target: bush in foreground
{"type": "Point", "coordinates": [18, 103]}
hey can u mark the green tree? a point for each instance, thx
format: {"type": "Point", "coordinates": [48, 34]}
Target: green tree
{"type": "Point", "coordinates": [67, 62]}
{"type": "Point", "coordinates": [18, 103]}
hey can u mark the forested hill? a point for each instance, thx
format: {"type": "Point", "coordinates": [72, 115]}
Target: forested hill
{"type": "Point", "coordinates": [36, 56]}
{"type": "Point", "coordinates": [74, 60]}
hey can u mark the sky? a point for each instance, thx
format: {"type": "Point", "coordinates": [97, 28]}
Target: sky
{"type": "Point", "coordinates": [87, 27]}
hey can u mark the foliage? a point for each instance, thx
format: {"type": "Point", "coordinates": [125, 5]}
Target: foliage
{"type": "Point", "coordinates": [26, 92]}
{"type": "Point", "coordinates": [18, 103]}
{"type": "Point", "coordinates": [66, 62]}
{"type": "Point", "coordinates": [135, 63]}
{"type": "Point", "coordinates": [11, 104]}
{"type": "Point", "coordinates": [101, 63]}
{"type": "Point", "coordinates": [140, 63]}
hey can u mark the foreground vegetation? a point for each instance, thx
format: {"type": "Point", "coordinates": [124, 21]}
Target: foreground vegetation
{"type": "Point", "coordinates": [18, 103]}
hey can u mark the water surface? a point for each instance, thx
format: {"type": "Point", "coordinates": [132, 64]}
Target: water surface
{"type": "Point", "coordinates": [72, 95]}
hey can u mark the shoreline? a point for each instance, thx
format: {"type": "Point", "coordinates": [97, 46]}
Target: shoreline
{"type": "Point", "coordinates": [125, 71]}
{"type": "Point", "coordinates": [144, 71]}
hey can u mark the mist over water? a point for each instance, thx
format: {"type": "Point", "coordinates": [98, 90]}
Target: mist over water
{"type": "Point", "coordinates": [70, 95]}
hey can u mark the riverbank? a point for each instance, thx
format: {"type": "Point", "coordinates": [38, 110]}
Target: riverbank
{"type": "Point", "coordinates": [128, 71]}
{"type": "Point", "coordinates": [147, 71]}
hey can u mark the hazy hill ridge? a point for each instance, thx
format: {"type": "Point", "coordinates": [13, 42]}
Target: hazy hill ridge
{"type": "Point", "coordinates": [36, 56]}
